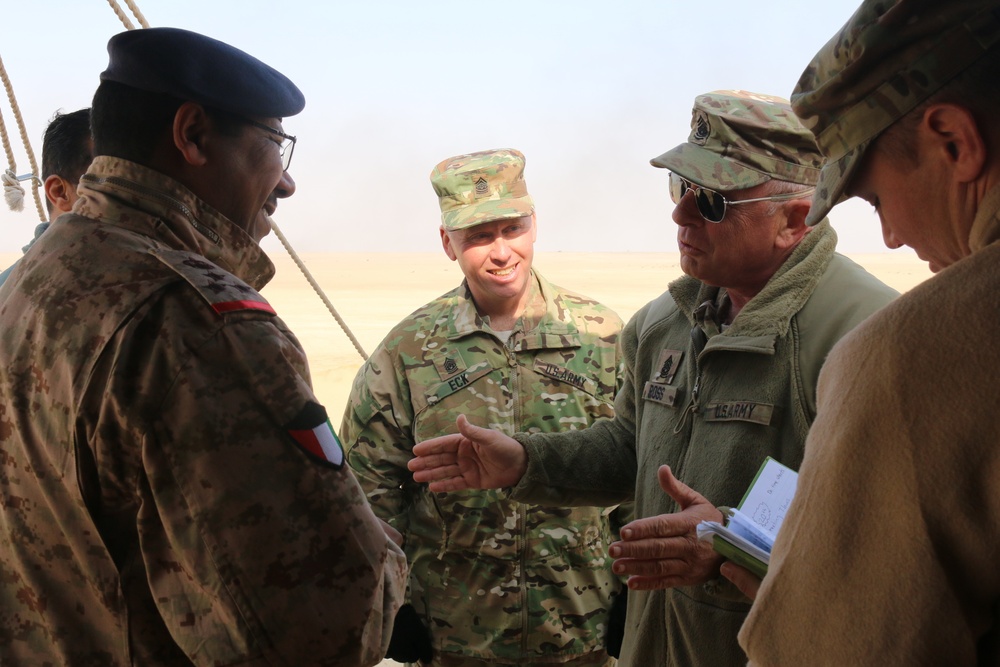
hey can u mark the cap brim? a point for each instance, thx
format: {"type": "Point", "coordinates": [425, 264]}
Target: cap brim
{"type": "Point", "coordinates": [488, 211]}
{"type": "Point", "coordinates": [709, 169]}
{"type": "Point", "coordinates": [833, 182]}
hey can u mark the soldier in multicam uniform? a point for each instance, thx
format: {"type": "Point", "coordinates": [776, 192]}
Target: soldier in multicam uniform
{"type": "Point", "coordinates": [496, 582]}
{"type": "Point", "coordinates": [721, 372]}
{"type": "Point", "coordinates": [172, 493]}
{"type": "Point", "coordinates": [889, 553]}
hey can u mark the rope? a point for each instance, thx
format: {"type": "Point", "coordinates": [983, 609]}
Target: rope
{"type": "Point", "coordinates": [121, 15]}
{"type": "Point", "coordinates": [317, 289]}
{"type": "Point", "coordinates": [138, 15]}
{"type": "Point", "coordinates": [124, 17]}
{"type": "Point", "coordinates": [15, 194]}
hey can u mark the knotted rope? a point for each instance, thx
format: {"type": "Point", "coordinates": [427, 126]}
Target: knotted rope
{"type": "Point", "coordinates": [12, 191]}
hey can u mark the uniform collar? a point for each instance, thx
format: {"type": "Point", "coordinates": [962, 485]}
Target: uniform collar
{"type": "Point", "coordinates": [986, 227]}
{"type": "Point", "coordinates": [113, 190]}
{"type": "Point", "coordinates": [545, 313]}
{"type": "Point", "coordinates": [771, 311]}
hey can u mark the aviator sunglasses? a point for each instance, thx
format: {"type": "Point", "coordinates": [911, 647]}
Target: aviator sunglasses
{"type": "Point", "coordinates": [711, 204]}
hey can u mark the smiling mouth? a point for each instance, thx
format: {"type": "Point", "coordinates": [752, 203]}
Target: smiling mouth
{"type": "Point", "coordinates": [501, 273]}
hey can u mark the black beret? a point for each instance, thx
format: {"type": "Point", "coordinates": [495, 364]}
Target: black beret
{"type": "Point", "coordinates": [196, 68]}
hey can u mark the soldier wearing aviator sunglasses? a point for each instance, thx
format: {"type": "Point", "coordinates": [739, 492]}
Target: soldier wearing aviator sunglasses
{"type": "Point", "coordinates": [712, 205]}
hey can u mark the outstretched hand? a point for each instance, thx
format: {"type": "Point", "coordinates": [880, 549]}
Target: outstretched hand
{"type": "Point", "coordinates": [664, 551]}
{"type": "Point", "coordinates": [473, 458]}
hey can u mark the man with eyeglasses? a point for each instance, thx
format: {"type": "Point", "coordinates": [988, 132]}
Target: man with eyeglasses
{"type": "Point", "coordinates": [173, 492]}
{"type": "Point", "coordinates": [721, 373]}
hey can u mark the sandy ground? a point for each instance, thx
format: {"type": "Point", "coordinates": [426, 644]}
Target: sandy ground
{"type": "Point", "coordinates": [372, 292]}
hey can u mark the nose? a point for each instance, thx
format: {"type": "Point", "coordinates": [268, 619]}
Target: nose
{"type": "Point", "coordinates": [285, 187]}
{"type": "Point", "coordinates": [888, 237]}
{"type": "Point", "coordinates": [686, 212]}
{"type": "Point", "coordinates": [500, 250]}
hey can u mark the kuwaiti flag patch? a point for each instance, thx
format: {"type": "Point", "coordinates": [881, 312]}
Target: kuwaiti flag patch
{"type": "Point", "coordinates": [311, 431]}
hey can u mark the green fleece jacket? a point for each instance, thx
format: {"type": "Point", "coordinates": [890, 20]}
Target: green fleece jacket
{"type": "Point", "coordinates": [889, 553]}
{"type": "Point", "coordinates": [711, 405]}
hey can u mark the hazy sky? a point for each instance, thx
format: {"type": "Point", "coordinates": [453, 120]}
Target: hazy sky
{"type": "Point", "coordinates": [589, 91]}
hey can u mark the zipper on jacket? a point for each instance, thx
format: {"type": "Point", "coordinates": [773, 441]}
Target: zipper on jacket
{"type": "Point", "coordinates": [522, 519]}
{"type": "Point", "coordinates": [698, 341]}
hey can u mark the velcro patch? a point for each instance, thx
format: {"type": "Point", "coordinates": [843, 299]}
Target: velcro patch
{"type": "Point", "coordinates": [666, 366]}
{"type": "Point", "coordinates": [449, 364]}
{"type": "Point", "coordinates": [660, 393]}
{"type": "Point", "coordinates": [460, 381]}
{"type": "Point", "coordinates": [312, 432]}
{"type": "Point", "coordinates": [745, 411]}
{"type": "Point", "coordinates": [563, 374]}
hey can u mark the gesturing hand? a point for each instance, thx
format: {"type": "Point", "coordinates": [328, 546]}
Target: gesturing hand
{"type": "Point", "coordinates": [473, 458]}
{"type": "Point", "coordinates": [664, 551]}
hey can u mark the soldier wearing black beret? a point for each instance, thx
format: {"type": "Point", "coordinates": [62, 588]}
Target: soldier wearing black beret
{"type": "Point", "coordinates": [173, 492]}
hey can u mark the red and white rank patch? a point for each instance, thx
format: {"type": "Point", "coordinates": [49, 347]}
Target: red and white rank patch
{"type": "Point", "coordinates": [312, 431]}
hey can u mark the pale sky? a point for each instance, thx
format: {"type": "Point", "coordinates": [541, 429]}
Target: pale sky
{"type": "Point", "coordinates": [588, 91]}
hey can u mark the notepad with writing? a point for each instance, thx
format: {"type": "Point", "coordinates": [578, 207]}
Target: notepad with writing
{"type": "Point", "coordinates": [751, 528]}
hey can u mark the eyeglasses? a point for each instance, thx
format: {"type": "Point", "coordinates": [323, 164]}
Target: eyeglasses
{"type": "Point", "coordinates": [287, 146]}
{"type": "Point", "coordinates": [711, 204]}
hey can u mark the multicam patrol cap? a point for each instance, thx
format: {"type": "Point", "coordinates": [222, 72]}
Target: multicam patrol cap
{"type": "Point", "coordinates": [888, 58]}
{"type": "Point", "coordinates": [481, 187]}
{"type": "Point", "coordinates": [740, 139]}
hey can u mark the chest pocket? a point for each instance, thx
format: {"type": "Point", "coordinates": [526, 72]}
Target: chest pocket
{"type": "Point", "coordinates": [565, 375]}
{"type": "Point", "coordinates": [458, 382]}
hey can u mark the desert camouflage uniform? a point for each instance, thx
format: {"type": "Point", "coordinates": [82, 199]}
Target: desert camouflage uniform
{"type": "Point", "coordinates": [496, 581]}
{"type": "Point", "coordinates": [155, 508]}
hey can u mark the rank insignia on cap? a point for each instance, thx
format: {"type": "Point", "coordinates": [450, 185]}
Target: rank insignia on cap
{"type": "Point", "coordinates": [482, 187]}
{"type": "Point", "coordinates": [312, 432]}
{"type": "Point", "coordinates": [701, 128]}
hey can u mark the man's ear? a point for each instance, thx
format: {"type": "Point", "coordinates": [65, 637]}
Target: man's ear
{"type": "Point", "coordinates": [446, 244]}
{"type": "Point", "coordinates": [190, 133]}
{"type": "Point", "coordinates": [951, 133]}
{"type": "Point", "coordinates": [793, 226]}
{"type": "Point", "coordinates": [60, 194]}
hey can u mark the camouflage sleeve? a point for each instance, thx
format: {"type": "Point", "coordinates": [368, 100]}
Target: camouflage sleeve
{"type": "Point", "coordinates": [377, 435]}
{"type": "Point", "coordinates": [258, 544]}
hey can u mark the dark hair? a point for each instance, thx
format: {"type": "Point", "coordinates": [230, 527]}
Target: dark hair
{"type": "Point", "coordinates": [129, 123]}
{"type": "Point", "coordinates": [66, 145]}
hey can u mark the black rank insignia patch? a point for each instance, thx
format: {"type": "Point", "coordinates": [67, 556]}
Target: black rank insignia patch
{"type": "Point", "coordinates": [666, 366]}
